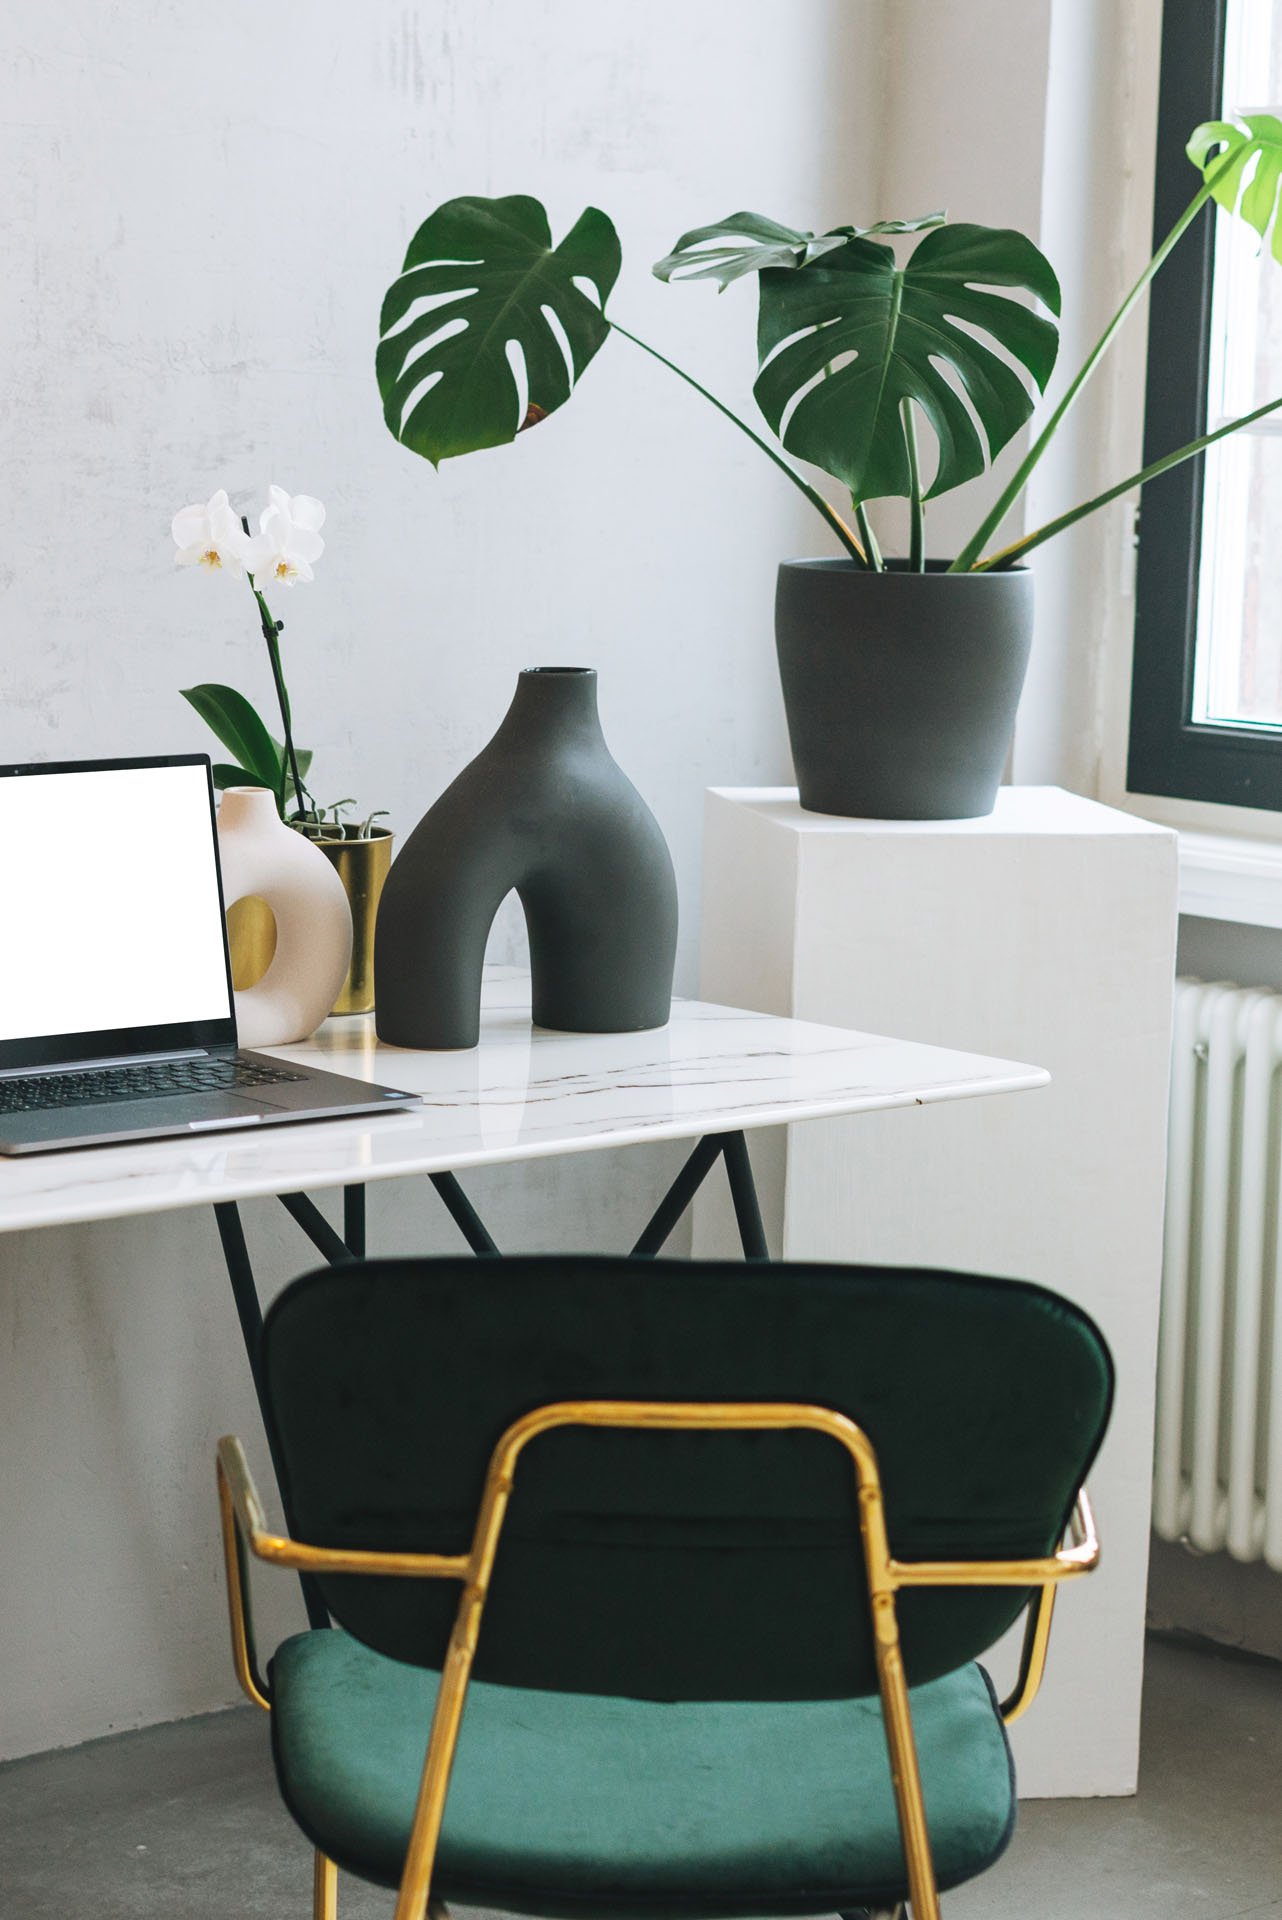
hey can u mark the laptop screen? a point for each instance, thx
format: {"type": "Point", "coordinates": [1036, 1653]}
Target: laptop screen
{"type": "Point", "coordinates": [116, 941]}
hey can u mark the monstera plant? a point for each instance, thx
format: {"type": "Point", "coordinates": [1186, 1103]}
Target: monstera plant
{"type": "Point", "coordinates": [864, 335]}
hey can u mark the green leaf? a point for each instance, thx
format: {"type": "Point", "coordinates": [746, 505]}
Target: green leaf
{"type": "Point", "coordinates": [228, 776]}
{"type": "Point", "coordinates": [845, 341]}
{"type": "Point", "coordinates": [492, 276]}
{"type": "Point", "coordinates": [752, 243]}
{"type": "Point", "coordinates": [303, 755]}
{"type": "Point", "coordinates": [1244, 160]}
{"type": "Point", "coordinates": [229, 715]}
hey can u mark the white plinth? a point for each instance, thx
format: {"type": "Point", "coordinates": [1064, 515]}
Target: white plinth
{"type": "Point", "coordinates": [1045, 933]}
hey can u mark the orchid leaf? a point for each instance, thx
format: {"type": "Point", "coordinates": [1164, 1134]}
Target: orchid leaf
{"type": "Point", "coordinates": [231, 717]}
{"type": "Point", "coordinates": [844, 342]}
{"type": "Point", "coordinates": [1241, 161]}
{"type": "Point", "coordinates": [482, 284]}
{"type": "Point", "coordinates": [303, 755]}
{"type": "Point", "coordinates": [225, 775]}
{"type": "Point", "coordinates": [750, 243]}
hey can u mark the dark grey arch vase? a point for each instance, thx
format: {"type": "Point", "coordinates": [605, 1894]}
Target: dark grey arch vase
{"type": "Point", "coordinates": [544, 810]}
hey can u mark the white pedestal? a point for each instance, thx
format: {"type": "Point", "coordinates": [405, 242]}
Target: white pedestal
{"type": "Point", "coordinates": [1044, 933]}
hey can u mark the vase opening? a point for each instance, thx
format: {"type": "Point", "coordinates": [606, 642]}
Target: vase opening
{"type": "Point", "coordinates": [551, 670]}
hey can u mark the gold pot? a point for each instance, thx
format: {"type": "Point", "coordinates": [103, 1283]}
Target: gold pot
{"type": "Point", "coordinates": [362, 867]}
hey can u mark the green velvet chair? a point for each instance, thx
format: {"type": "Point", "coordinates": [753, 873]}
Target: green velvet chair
{"type": "Point", "coordinates": [692, 1562]}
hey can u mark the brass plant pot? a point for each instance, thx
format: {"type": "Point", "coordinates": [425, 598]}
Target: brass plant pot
{"type": "Point", "coordinates": [362, 867]}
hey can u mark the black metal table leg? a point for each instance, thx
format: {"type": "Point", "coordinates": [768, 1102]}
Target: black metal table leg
{"type": "Point", "coordinates": [733, 1148]}
{"type": "Point", "coordinates": [354, 1220]}
{"type": "Point", "coordinates": [241, 1274]}
{"type": "Point", "coordinates": [743, 1193]}
{"type": "Point", "coordinates": [678, 1197]}
{"type": "Point", "coordinates": [463, 1213]}
{"type": "Point", "coordinates": [326, 1240]}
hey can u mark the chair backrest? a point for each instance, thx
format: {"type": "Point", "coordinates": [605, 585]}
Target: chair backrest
{"type": "Point", "coordinates": [678, 1565]}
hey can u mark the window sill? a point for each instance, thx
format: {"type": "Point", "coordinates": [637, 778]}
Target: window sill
{"type": "Point", "coordinates": [1226, 878]}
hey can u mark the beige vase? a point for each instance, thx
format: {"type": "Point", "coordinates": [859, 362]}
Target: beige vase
{"type": "Point", "coordinates": [263, 858]}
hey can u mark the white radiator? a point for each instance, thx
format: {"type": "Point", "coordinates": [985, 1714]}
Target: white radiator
{"type": "Point", "coordinates": [1218, 1468]}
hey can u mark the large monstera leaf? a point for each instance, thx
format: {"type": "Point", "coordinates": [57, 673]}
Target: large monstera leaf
{"type": "Point", "coordinates": [745, 243]}
{"type": "Point", "coordinates": [482, 283]}
{"type": "Point", "coordinates": [1242, 163]}
{"type": "Point", "coordinates": [844, 341]}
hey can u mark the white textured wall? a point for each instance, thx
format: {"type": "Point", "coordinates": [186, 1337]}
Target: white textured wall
{"type": "Point", "coordinates": [201, 212]}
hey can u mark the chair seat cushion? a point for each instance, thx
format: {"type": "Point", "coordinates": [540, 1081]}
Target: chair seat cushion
{"type": "Point", "coordinates": [575, 1804]}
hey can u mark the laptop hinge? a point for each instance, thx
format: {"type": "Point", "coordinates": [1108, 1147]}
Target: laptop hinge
{"type": "Point", "coordinates": [113, 1060]}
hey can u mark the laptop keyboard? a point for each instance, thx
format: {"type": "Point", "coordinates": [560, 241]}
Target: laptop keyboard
{"type": "Point", "coordinates": [33, 1092]}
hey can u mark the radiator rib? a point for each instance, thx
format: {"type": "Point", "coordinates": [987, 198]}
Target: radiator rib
{"type": "Point", "coordinates": [1218, 1454]}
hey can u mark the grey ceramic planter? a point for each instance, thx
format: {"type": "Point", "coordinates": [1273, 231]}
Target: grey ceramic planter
{"type": "Point", "coordinates": [543, 809]}
{"type": "Point", "coordinates": [901, 688]}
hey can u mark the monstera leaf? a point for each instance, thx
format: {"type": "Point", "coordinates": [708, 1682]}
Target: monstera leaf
{"type": "Point", "coordinates": [483, 285]}
{"type": "Point", "coordinates": [748, 243]}
{"type": "Point", "coordinates": [844, 341]}
{"type": "Point", "coordinates": [1249, 184]}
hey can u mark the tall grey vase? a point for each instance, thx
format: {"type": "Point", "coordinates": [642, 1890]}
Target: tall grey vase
{"type": "Point", "coordinates": [543, 809]}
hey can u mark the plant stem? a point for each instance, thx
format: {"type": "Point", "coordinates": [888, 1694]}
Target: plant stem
{"type": "Point", "coordinates": [271, 635]}
{"type": "Point", "coordinates": [1019, 547]}
{"type": "Point", "coordinates": [812, 494]}
{"type": "Point", "coordinates": [970, 553]}
{"type": "Point", "coordinates": [916, 508]}
{"type": "Point", "coordinates": [869, 538]}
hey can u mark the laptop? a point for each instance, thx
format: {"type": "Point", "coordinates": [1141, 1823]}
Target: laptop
{"type": "Point", "coordinates": [116, 1013]}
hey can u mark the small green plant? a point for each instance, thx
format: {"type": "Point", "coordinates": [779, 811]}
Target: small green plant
{"type": "Point", "coordinates": [489, 327]}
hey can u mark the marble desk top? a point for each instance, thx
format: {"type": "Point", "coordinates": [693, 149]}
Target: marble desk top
{"type": "Point", "coordinates": [521, 1094]}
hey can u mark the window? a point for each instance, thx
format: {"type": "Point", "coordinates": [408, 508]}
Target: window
{"type": "Point", "coordinates": [1206, 706]}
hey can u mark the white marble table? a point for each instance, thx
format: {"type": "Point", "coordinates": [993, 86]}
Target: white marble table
{"type": "Point", "coordinates": [519, 1095]}
{"type": "Point", "coordinates": [522, 1094]}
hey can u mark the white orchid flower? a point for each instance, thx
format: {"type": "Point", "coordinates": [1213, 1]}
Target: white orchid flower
{"type": "Point", "coordinates": [288, 539]}
{"type": "Point", "coordinates": [211, 536]}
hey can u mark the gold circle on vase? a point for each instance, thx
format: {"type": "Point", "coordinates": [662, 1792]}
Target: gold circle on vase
{"type": "Point", "coordinates": [251, 934]}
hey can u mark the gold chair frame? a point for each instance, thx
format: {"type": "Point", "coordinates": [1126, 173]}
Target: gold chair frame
{"type": "Point", "coordinates": [244, 1523]}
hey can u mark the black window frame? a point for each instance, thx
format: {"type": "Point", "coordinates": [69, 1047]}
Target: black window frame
{"type": "Point", "coordinates": [1171, 754]}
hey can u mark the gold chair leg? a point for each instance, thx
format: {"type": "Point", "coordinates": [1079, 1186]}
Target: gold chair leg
{"type": "Point", "coordinates": [324, 1888]}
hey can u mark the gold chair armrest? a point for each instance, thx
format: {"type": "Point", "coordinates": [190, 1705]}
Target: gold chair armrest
{"type": "Point", "coordinates": [237, 1503]}
{"type": "Point", "coordinates": [1046, 1574]}
{"type": "Point", "coordinates": [1081, 1557]}
{"type": "Point", "coordinates": [1032, 1658]}
{"type": "Point", "coordinates": [278, 1550]}
{"type": "Point", "coordinates": [244, 1524]}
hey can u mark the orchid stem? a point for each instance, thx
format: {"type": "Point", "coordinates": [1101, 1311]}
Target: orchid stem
{"type": "Point", "coordinates": [271, 633]}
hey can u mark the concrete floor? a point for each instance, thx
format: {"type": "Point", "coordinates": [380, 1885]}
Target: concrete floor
{"type": "Point", "coordinates": [182, 1822]}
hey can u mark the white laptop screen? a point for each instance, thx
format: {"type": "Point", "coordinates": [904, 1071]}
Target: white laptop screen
{"type": "Point", "coordinates": [115, 936]}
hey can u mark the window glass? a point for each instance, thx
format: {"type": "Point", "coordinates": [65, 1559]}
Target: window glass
{"type": "Point", "coordinates": [1237, 671]}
